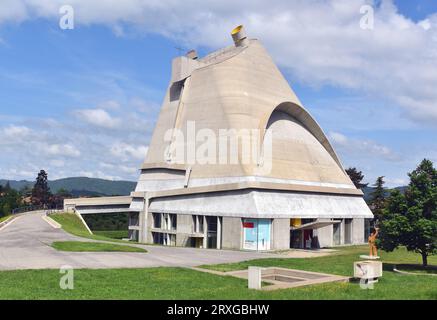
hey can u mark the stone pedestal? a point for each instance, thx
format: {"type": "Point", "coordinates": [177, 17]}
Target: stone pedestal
{"type": "Point", "coordinates": [369, 270]}
{"type": "Point", "coordinates": [254, 278]}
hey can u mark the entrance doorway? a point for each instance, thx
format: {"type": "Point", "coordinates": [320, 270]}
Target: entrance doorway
{"type": "Point", "coordinates": [211, 236]}
{"type": "Point", "coordinates": [256, 234]}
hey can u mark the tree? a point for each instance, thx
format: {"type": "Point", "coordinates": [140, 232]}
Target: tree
{"type": "Point", "coordinates": [411, 219]}
{"type": "Point", "coordinates": [41, 192]}
{"type": "Point", "coordinates": [378, 199]}
{"type": "Point", "coordinates": [9, 200]}
{"type": "Point", "coordinates": [356, 177]}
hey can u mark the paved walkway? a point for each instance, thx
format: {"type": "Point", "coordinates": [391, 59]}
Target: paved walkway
{"type": "Point", "coordinates": [25, 244]}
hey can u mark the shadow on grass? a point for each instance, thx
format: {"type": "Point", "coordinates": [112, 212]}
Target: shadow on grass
{"type": "Point", "coordinates": [413, 268]}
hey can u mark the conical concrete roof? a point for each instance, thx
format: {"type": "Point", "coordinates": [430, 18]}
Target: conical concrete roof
{"type": "Point", "coordinates": [241, 88]}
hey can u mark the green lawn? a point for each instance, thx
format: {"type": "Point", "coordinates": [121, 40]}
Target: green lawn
{"type": "Point", "coordinates": [78, 246]}
{"type": "Point", "coordinates": [113, 234]}
{"type": "Point", "coordinates": [339, 263]}
{"type": "Point", "coordinates": [4, 218]}
{"type": "Point", "coordinates": [181, 283]}
{"type": "Point", "coordinates": [72, 224]}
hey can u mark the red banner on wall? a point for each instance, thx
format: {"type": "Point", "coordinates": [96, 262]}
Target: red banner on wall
{"type": "Point", "coordinates": [248, 225]}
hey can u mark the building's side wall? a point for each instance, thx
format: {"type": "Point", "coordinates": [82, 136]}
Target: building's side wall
{"type": "Point", "coordinates": [232, 233]}
{"type": "Point", "coordinates": [281, 234]}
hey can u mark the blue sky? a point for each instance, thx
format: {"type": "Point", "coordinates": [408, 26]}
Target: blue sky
{"type": "Point", "coordinates": [83, 102]}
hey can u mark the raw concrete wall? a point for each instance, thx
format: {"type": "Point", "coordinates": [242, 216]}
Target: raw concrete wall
{"type": "Point", "coordinates": [324, 236]}
{"type": "Point", "coordinates": [232, 233]}
{"type": "Point", "coordinates": [184, 228]}
{"type": "Point", "coordinates": [281, 234]}
{"type": "Point", "coordinates": [358, 231]}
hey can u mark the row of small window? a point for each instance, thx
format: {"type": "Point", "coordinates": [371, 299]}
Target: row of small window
{"type": "Point", "coordinates": [168, 221]}
{"type": "Point", "coordinates": [165, 221]}
{"type": "Point", "coordinates": [164, 239]}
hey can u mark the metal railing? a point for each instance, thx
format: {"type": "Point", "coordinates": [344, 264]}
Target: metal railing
{"type": "Point", "coordinates": [49, 209]}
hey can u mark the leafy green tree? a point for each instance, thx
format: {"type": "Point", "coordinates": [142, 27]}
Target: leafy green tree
{"type": "Point", "coordinates": [41, 192]}
{"type": "Point", "coordinates": [9, 200]}
{"type": "Point", "coordinates": [356, 177]}
{"type": "Point", "coordinates": [378, 199]}
{"type": "Point", "coordinates": [411, 219]}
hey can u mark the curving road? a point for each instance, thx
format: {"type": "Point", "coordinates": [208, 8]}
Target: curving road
{"type": "Point", "coordinates": [25, 244]}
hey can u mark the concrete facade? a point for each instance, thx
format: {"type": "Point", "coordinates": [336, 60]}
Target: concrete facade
{"type": "Point", "coordinates": [294, 192]}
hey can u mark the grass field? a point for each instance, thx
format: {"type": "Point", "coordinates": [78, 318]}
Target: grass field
{"type": "Point", "coordinates": [180, 283]}
{"type": "Point", "coordinates": [78, 246]}
{"type": "Point", "coordinates": [4, 218]}
{"type": "Point", "coordinates": [113, 234]}
{"type": "Point", "coordinates": [72, 224]}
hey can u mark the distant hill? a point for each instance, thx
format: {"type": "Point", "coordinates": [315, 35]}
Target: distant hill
{"type": "Point", "coordinates": [81, 186]}
{"type": "Point", "coordinates": [368, 191]}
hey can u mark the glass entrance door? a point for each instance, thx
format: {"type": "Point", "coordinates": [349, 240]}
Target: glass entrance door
{"type": "Point", "coordinates": [256, 234]}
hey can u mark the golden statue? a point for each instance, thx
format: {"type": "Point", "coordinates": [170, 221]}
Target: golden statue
{"type": "Point", "coordinates": [372, 245]}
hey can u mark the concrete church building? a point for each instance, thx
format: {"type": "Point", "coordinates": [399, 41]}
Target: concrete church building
{"type": "Point", "coordinates": [297, 195]}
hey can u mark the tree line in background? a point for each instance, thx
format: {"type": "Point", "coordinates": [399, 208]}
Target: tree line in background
{"type": "Point", "coordinates": [40, 195]}
{"type": "Point", "coordinates": [406, 218]}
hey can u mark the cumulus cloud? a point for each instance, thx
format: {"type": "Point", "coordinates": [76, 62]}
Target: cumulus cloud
{"type": "Point", "coordinates": [318, 42]}
{"type": "Point", "coordinates": [13, 131]}
{"type": "Point", "coordinates": [362, 148]}
{"type": "Point", "coordinates": [66, 150]}
{"type": "Point", "coordinates": [126, 151]}
{"type": "Point", "coordinates": [98, 117]}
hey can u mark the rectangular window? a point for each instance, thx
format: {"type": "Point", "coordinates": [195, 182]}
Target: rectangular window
{"type": "Point", "coordinates": [173, 220]}
{"type": "Point", "coordinates": [197, 224]}
{"type": "Point", "coordinates": [157, 220]}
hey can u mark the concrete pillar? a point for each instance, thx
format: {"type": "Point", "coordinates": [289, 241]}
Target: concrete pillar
{"type": "Point", "coordinates": [219, 233]}
{"type": "Point", "coordinates": [142, 216]}
{"type": "Point", "coordinates": [205, 232]}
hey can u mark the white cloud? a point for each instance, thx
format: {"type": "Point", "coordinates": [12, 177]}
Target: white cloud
{"type": "Point", "coordinates": [109, 105]}
{"type": "Point", "coordinates": [361, 148]}
{"type": "Point", "coordinates": [98, 117]}
{"type": "Point", "coordinates": [13, 131]}
{"type": "Point", "coordinates": [318, 42]}
{"type": "Point", "coordinates": [126, 151]}
{"type": "Point", "coordinates": [58, 163]}
{"type": "Point", "coordinates": [65, 150]}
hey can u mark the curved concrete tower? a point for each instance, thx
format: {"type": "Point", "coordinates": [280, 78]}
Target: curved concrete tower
{"type": "Point", "coordinates": [235, 161]}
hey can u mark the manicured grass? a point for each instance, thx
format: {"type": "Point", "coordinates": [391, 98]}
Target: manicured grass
{"type": "Point", "coordinates": [78, 246]}
{"type": "Point", "coordinates": [417, 269]}
{"type": "Point", "coordinates": [181, 283]}
{"type": "Point", "coordinates": [339, 263]}
{"type": "Point", "coordinates": [72, 224]}
{"type": "Point", "coordinates": [4, 218]}
{"type": "Point", "coordinates": [113, 234]}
